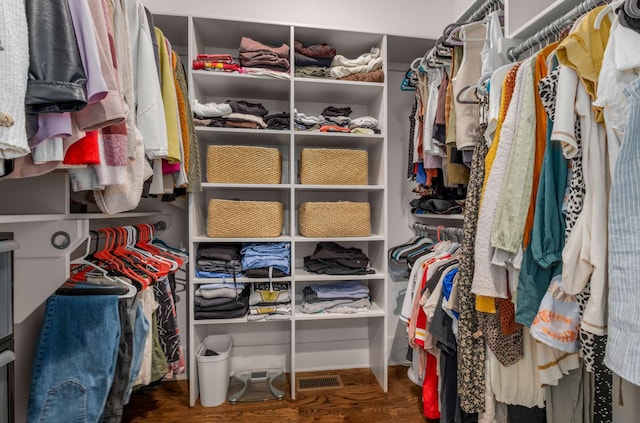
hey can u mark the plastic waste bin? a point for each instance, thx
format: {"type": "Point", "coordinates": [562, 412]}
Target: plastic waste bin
{"type": "Point", "coordinates": [214, 369]}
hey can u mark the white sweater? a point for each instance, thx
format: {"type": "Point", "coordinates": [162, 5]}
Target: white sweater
{"type": "Point", "coordinates": [14, 67]}
{"type": "Point", "coordinates": [585, 252]}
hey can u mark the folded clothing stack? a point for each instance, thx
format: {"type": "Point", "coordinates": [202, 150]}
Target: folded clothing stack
{"type": "Point", "coordinates": [365, 66]}
{"type": "Point", "coordinates": [341, 297]}
{"type": "Point", "coordinates": [266, 260]}
{"type": "Point", "coordinates": [269, 301]}
{"type": "Point", "coordinates": [238, 114]}
{"type": "Point", "coordinates": [218, 261]}
{"type": "Point", "coordinates": [336, 119]}
{"type": "Point", "coordinates": [221, 301]}
{"type": "Point", "coordinates": [331, 258]}
{"type": "Point", "coordinates": [215, 62]}
{"type": "Point", "coordinates": [253, 54]}
{"type": "Point", "coordinates": [313, 61]}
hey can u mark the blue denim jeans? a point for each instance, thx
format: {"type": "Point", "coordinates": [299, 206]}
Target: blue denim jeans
{"type": "Point", "coordinates": [75, 359]}
{"type": "Point", "coordinates": [141, 328]}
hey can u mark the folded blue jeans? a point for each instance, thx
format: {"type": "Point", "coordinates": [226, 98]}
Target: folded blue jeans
{"type": "Point", "coordinates": [75, 359]}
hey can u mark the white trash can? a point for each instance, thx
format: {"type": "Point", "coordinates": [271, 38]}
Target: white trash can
{"type": "Point", "coordinates": [214, 369]}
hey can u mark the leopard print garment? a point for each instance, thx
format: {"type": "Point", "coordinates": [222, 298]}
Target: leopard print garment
{"type": "Point", "coordinates": [471, 348]}
{"type": "Point", "coordinates": [592, 347]}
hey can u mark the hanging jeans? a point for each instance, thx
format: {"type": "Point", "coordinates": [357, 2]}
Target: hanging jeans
{"type": "Point", "coordinates": [75, 359]}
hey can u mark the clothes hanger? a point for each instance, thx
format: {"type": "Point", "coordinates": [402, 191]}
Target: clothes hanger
{"type": "Point", "coordinates": [446, 34]}
{"type": "Point", "coordinates": [145, 237]}
{"type": "Point", "coordinates": [116, 263]}
{"type": "Point", "coordinates": [464, 90]}
{"type": "Point", "coordinates": [469, 40]}
{"type": "Point", "coordinates": [160, 256]}
{"type": "Point", "coordinates": [132, 291]}
{"type": "Point", "coordinates": [608, 10]}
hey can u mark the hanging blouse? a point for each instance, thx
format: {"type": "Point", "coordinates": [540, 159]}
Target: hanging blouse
{"type": "Point", "coordinates": [473, 36]}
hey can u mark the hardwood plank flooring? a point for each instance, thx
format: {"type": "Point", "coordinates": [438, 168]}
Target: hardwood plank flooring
{"type": "Point", "coordinates": [360, 400]}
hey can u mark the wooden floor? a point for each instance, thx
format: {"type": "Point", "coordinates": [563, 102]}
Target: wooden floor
{"type": "Point", "coordinates": [360, 400]}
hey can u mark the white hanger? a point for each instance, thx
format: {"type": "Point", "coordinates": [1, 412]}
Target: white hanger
{"type": "Point", "coordinates": [607, 10]}
{"type": "Point", "coordinates": [132, 291]}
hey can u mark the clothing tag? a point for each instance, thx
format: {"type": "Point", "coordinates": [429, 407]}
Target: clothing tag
{"type": "Point", "coordinates": [477, 335]}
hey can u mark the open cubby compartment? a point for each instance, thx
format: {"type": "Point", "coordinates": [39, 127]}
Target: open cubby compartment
{"type": "Point", "coordinates": [219, 87]}
{"type": "Point", "coordinates": [334, 344]}
{"type": "Point", "coordinates": [200, 204]}
{"type": "Point", "coordinates": [373, 249]}
{"type": "Point", "coordinates": [347, 43]}
{"type": "Point", "coordinates": [374, 198]}
{"type": "Point", "coordinates": [204, 280]}
{"type": "Point", "coordinates": [176, 30]}
{"type": "Point", "coordinates": [375, 150]}
{"type": "Point", "coordinates": [376, 292]}
{"type": "Point", "coordinates": [228, 137]}
{"type": "Point", "coordinates": [216, 36]}
{"type": "Point", "coordinates": [312, 96]}
{"type": "Point", "coordinates": [266, 348]}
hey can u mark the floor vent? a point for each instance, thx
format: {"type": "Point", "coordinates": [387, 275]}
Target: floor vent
{"type": "Point", "coordinates": [317, 383]}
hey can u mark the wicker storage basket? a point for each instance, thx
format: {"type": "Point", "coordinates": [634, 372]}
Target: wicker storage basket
{"type": "Point", "coordinates": [334, 219]}
{"type": "Point", "coordinates": [244, 219]}
{"type": "Point", "coordinates": [332, 166]}
{"type": "Point", "coordinates": [230, 164]}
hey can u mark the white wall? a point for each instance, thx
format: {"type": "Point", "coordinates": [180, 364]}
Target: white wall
{"type": "Point", "coordinates": [398, 111]}
{"type": "Point", "coordinates": [424, 18]}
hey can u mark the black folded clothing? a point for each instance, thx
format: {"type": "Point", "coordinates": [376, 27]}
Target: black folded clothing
{"type": "Point", "coordinates": [278, 121]}
{"type": "Point", "coordinates": [231, 314]}
{"type": "Point", "coordinates": [263, 272]}
{"type": "Point", "coordinates": [427, 205]}
{"type": "Point", "coordinates": [336, 111]}
{"type": "Point", "coordinates": [225, 252]}
{"type": "Point", "coordinates": [334, 259]}
{"type": "Point", "coordinates": [241, 106]}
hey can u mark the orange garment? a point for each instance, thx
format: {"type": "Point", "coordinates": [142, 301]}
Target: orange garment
{"type": "Point", "coordinates": [182, 112]}
{"type": "Point", "coordinates": [505, 100]}
{"type": "Point", "coordinates": [540, 72]}
{"type": "Point", "coordinates": [334, 128]}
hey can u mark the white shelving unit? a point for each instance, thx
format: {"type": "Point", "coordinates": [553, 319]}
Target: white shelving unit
{"type": "Point", "coordinates": [305, 342]}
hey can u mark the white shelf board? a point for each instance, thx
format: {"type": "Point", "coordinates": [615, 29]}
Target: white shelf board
{"type": "Point", "coordinates": [300, 238]}
{"type": "Point", "coordinates": [374, 311]}
{"type": "Point", "coordinates": [232, 321]}
{"type": "Point", "coordinates": [304, 276]}
{"type": "Point", "coordinates": [438, 216]}
{"type": "Point", "coordinates": [242, 136]}
{"type": "Point", "coordinates": [204, 238]}
{"type": "Point", "coordinates": [209, 185]}
{"type": "Point", "coordinates": [240, 85]}
{"type": "Point", "coordinates": [26, 218]}
{"type": "Point", "coordinates": [303, 187]}
{"type": "Point", "coordinates": [327, 139]}
{"type": "Point", "coordinates": [95, 216]}
{"type": "Point", "coordinates": [204, 281]}
{"type": "Point", "coordinates": [331, 91]}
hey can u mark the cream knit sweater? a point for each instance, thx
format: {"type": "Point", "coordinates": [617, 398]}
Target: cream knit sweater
{"type": "Point", "coordinates": [14, 68]}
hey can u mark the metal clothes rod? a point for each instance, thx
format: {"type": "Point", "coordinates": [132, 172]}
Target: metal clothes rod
{"type": "Point", "coordinates": [481, 12]}
{"type": "Point", "coordinates": [157, 227]}
{"type": "Point", "coordinates": [554, 27]}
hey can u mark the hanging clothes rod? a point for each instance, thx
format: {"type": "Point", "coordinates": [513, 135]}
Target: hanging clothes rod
{"type": "Point", "coordinates": [554, 27]}
{"type": "Point", "coordinates": [157, 227]}
{"type": "Point", "coordinates": [482, 10]}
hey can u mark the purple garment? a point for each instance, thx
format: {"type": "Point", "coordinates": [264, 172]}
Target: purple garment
{"type": "Point", "coordinates": [86, 36]}
{"type": "Point", "coordinates": [433, 162]}
{"type": "Point", "coordinates": [51, 125]}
